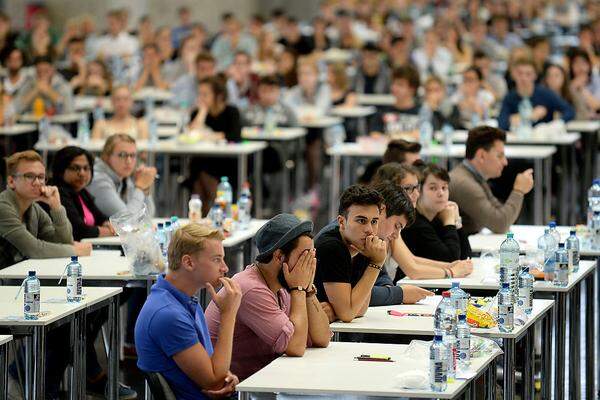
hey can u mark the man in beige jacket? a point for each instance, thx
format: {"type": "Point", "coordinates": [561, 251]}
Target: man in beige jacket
{"type": "Point", "coordinates": [485, 159]}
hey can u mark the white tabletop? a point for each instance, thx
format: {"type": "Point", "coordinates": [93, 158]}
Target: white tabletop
{"type": "Point", "coordinates": [236, 238]}
{"type": "Point", "coordinates": [279, 134]}
{"type": "Point", "coordinates": [319, 122]}
{"type": "Point", "coordinates": [460, 136]}
{"type": "Point", "coordinates": [52, 299]}
{"type": "Point", "coordinates": [376, 320]}
{"type": "Point", "coordinates": [67, 118]}
{"type": "Point", "coordinates": [583, 126]}
{"type": "Point", "coordinates": [101, 265]}
{"type": "Point", "coordinates": [169, 147]}
{"type": "Point", "coordinates": [333, 371]}
{"type": "Point", "coordinates": [88, 103]}
{"type": "Point", "coordinates": [5, 339]}
{"type": "Point", "coordinates": [153, 94]}
{"type": "Point", "coordinates": [376, 99]}
{"type": "Point", "coordinates": [17, 129]}
{"type": "Point", "coordinates": [527, 236]}
{"type": "Point", "coordinates": [456, 151]}
{"type": "Point", "coordinates": [335, 55]}
{"type": "Point", "coordinates": [352, 112]}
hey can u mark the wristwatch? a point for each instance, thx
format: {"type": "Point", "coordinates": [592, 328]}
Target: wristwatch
{"type": "Point", "coordinates": [300, 288]}
{"type": "Point", "coordinates": [312, 290]}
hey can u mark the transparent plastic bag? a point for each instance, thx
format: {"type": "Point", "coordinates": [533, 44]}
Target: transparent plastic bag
{"type": "Point", "coordinates": [138, 240]}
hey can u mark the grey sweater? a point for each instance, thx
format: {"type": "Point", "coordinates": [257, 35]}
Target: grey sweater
{"type": "Point", "coordinates": [36, 236]}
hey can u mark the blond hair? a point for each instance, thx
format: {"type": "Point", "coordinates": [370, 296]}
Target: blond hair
{"type": "Point", "coordinates": [112, 142]}
{"type": "Point", "coordinates": [190, 239]}
{"type": "Point", "coordinates": [13, 161]}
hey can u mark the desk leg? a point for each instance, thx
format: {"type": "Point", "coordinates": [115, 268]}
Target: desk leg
{"type": "Point", "coordinates": [76, 367]}
{"type": "Point", "coordinates": [546, 361]}
{"type": "Point", "coordinates": [563, 203]}
{"type": "Point", "coordinates": [490, 381]}
{"type": "Point", "coordinates": [258, 195]}
{"type": "Point", "coordinates": [574, 343]}
{"type": "Point", "coordinates": [299, 167]}
{"type": "Point", "coordinates": [285, 178]}
{"type": "Point", "coordinates": [114, 322]}
{"type": "Point", "coordinates": [243, 396]}
{"type": "Point", "coordinates": [528, 364]}
{"type": "Point", "coordinates": [28, 367]}
{"type": "Point", "coordinates": [336, 337]}
{"type": "Point", "coordinates": [538, 175]}
{"type": "Point", "coordinates": [590, 299]}
{"type": "Point", "coordinates": [4, 372]}
{"type": "Point", "coordinates": [559, 324]}
{"type": "Point", "coordinates": [335, 185]}
{"type": "Point", "coordinates": [242, 173]}
{"type": "Point", "coordinates": [39, 362]}
{"type": "Point", "coordinates": [573, 188]}
{"type": "Point", "coordinates": [509, 368]}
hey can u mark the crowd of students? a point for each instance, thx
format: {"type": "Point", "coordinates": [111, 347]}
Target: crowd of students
{"type": "Point", "coordinates": [404, 218]}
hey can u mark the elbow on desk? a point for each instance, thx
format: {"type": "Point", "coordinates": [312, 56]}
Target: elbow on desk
{"type": "Point", "coordinates": [295, 352]}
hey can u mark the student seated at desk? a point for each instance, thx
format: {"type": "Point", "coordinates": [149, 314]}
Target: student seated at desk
{"type": "Point", "coordinates": [122, 121]}
{"type": "Point", "coordinates": [398, 151]}
{"type": "Point", "coordinates": [402, 262]}
{"type": "Point", "coordinates": [26, 230]}
{"type": "Point", "coordinates": [485, 159]}
{"type": "Point", "coordinates": [436, 233]}
{"type": "Point", "coordinates": [279, 313]}
{"type": "Point", "coordinates": [171, 334]}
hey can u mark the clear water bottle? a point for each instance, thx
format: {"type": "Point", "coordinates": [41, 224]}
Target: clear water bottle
{"type": "Point", "coordinates": [463, 336]}
{"type": "Point", "coordinates": [217, 216]}
{"type": "Point", "coordinates": [524, 130]}
{"type": "Point", "coordinates": [31, 303]}
{"type": "Point", "coordinates": [83, 129]}
{"type": "Point", "coordinates": [161, 239]}
{"type": "Point", "coordinates": [175, 223]}
{"type": "Point", "coordinates": [425, 127]}
{"type": "Point", "coordinates": [152, 130]}
{"type": "Point", "coordinates": [593, 201]}
{"type": "Point", "coordinates": [195, 208]}
{"type": "Point", "coordinates": [270, 122]}
{"type": "Point", "coordinates": [44, 129]}
{"type": "Point", "coordinates": [525, 297]}
{"type": "Point", "coordinates": [547, 246]}
{"type": "Point", "coordinates": [595, 231]}
{"type": "Point", "coordinates": [437, 365]}
{"type": "Point", "coordinates": [561, 274]}
{"type": "Point", "coordinates": [509, 262]}
{"type": "Point", "coordinates": [572, 248]}
{"type": "Point", "coordinates": [505, 309]}
{"type": "Point", "coordinates": [168, 233]}
{"type": "Point", "coordinates": [447, 324]}
{"type": "Point", "coordinates": [98, 113]}
{"type": "Point", "coordinates": [244, 211]}
{"type": "Point", "coordinates": [460, 298]}
{"type": "Point", "coordinates": [74, 280]}
{"type": "Point", "coordinates": [447, 133]}
{"type": "Point", "coordinates": [225, 195]}
{"type": "Point", "coordinates": [553, 231]}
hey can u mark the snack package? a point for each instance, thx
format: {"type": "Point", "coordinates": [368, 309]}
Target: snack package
{"type": "Point", "coordinates": [478, 318]}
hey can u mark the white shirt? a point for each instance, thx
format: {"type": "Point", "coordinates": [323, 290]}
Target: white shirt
{"type": "Point", "coordinates": [123, 44]}
{"type": "Point", "coordinates": [439, 65]}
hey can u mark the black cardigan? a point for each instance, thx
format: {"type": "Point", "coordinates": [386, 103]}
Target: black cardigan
{"type": "Point", "coordinates": [436, 241]}
{"type": "Point", "coordinates": [69, 199]}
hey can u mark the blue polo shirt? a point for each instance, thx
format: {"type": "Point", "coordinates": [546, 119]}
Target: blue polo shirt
{"type": "Point", "coordinates": [170, 322]}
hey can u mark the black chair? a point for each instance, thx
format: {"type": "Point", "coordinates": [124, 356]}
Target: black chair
{"type": "Point", "coordinates": [159, 387]}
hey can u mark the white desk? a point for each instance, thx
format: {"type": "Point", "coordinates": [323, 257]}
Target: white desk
{"type": "Point", "coordinates": [154, 94]}
{"type": "Point", "coordinates": [485, 278]}
{"type": "Point", "coordinates": [541, 156]}
{"type": "Point", "coordinates": [376, 99]}
{"type": "Point", "coordinates": [53, 301]}
{"type": "Point", "coordinates": [332, 371]}
{"type": "Point", "coordinates": [88, 103]}
{"type": "Point", "coordinates": [377, 321]}
{"type": "Point", "coordinates": [335, 55]}
{"type": "Point", "coordinates": [7, 133]}
{"type": "Point", "coordinates": [321, 122]}
{"type": "Point", "coordinates": [67, 118]}
{"type": "Point", "coordinates": [4, 341]}
{"type": "Point", "coordinates": [352, 112]}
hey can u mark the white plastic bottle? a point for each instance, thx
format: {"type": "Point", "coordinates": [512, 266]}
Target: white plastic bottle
{"type": "Point", "coordinates": [31, 294]}
{"type": "Point", "coordinates": [437, 365]}
{"type": "Point", "coordinates": [505, 309]}
{"type": "Point", "coordinates": [195, 208]}
{"type": "Point", "coordinates": [463, 336]}
{"type": "Point", "coordinates": [74, 280]}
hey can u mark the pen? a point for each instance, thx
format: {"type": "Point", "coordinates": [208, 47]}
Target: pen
{"type": "Point", "coordinates": [407, 314]}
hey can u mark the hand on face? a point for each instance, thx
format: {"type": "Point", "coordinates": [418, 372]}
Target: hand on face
{"type": "Point", "coordinates": [229, 297]}
{"type": "Point", "coordinates": [50, 196]}
{"type": "Point", "coordinates": [375, 249]}
{"type": "Point", "coordinates": [303, 272]}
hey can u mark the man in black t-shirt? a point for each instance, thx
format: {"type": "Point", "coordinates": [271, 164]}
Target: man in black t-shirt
{"type": "Point", "coordinates": [343, 279]}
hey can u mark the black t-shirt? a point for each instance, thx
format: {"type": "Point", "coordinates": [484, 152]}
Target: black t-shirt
{"type": "Point", "coordinates": [410, 113]}
{"type": "Point", "coordinates": [370, 81]}
{"type": "Point", "coordinates": [334, 263]}
{"type": "Point", "coordinates": [228, 122]}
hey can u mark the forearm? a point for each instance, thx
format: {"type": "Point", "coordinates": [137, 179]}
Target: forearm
{"type": "Point", "coordinates": [386, 295]}
{"type": "Point", "coordinates": [299, 318]}
{"type": "Point", "coordinates": [361, 293]}
{"type": "Point", "coordinates": [318, 323]}
{"type": "Point", "coordinates": [221, 358]}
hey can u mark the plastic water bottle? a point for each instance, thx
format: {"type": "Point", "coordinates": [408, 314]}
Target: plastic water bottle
{"type": "Point", "coordinates": [561, 275]}
{"type": "Point", "coordinates": [175, 223]}
{"type": "Point", "coordinates": [195, 208]}
{"type": "Point", "coordinates": [425, 127]}
{"type": "Point", "coordinates": [553, 231]}
{"type": "Point", "coordinates": [447, 133]}
{"type": "Point", "coordinates": [216, 215]}
{"type": "Point", "coordinates": [463, 336]}
{"type": "Point", "coordinates": [270, 122]}
{"type": "Point", "coordinates": [168, 233]}
{"type": "Point", "coordinates": [446, 323]}
{"type": "Point", "coordinates": [437, 365]}
{"type": "Point", "coordinates": [524, 130]}
{"type": "Point", "coordinates": [460, 298]}
{"type": "Point", "coordinates": [31, 303]}
{"type": "Point", "coordinates": [161, 238]}
{"type": "Point", "coordinates": [44, 129]}
{"type": "Point", "coordinates": [152, 130]}
{"type": "Point", "coordinates": [547, 245]}
{"type": "Point", "coordinates": [83, 129]}
{"type": "Point", "coordinates": [74, 280]}
{"type": "Point", "coordinates": [509, 263]}
{"type": "Point", "coordinates": [98, 113]}
{"type": "Point", "coordinates": [505, 309]}
{"type": "Point", "coordinates": [525, 296]}
{"type": "Point", "coordinates": [244, 210]}
{"type": "Point", "coordinates": [595, 231]}
{"type": "Point", "coordinates": [572, 248]}
{"type": "Point", "coordinates": [225, 195]}
{"type": "Point", "coordinates": [593, 201]}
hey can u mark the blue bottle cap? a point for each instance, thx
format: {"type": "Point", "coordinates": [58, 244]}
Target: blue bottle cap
{"type": "Point", "coordinates": [505, 285]}
{"type": "Point", "coordinates": [167, 224]}
{"type": "Point", "coordinates": [159, 225]}
{"type": "Point", "coordinates": [462, 317]}
{"type": "Point", "coordinates": [74, 258]}
{"type": "Point", "coordinates": [561, 245]}
{"type": "Point", "coordinates": [455, 284]}
{"type": "Point", "coordinates": [31, 273]}
{"type": "Point", "coordinates": [573, 232]}
{"type": "Point", "coordinates": [552, 224]}
{"type": "Point", "coordinates": [509, 235]}
{"type": "Point", "coordinates": [437, 338]}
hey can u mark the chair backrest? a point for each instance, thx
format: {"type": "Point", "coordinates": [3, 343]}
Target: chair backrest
{"type": "Point", "coordinates": [159, 387]}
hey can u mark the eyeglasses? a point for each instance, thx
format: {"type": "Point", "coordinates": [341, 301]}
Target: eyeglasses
{"type": "Point", "coordinates": [411, 188]}
{"type": "Point", "coordinates": [123, 155]}
{"type": "Point", "coordinates": [78, 168]}
{"type": "Point", "coordinates": [31, 178]}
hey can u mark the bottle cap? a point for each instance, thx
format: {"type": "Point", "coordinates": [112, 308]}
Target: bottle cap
{"type": "Point", "coordinates": [224, 179]}
{"type": "Point", "coordinates": [159, 225]}
{"type": "Point", "coordinates": [455, 284]}
{"type": "Point", "coordinates": [505, 285]}
{"type": "Point", "coordinates": [437, 338]}
{"type": "Point", "coordinates": [31, 273]}
{"type": "Point", "coordinates": [74, 258]}
{"type": "Point", "coordinates": [573, 232]}
{"type": "Point", "coordinates": [561, 245]}
{"type": "Point", "coordinates": [445, 293]}
{"type": "Point", "coordinates": [462, 317]}
{"type": "Point", "coordinates": [167, 224]}
{"type": "Point", "coordinates": [175, 218]}
{"type": "Point", "coordinates": [194, 196]}
{"type": "Point", "coordinates": [509, 235]}
{"type": "Point", "coordinates": [552, 224]}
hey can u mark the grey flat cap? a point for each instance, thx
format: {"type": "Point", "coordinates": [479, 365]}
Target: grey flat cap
{"type": "Point", "coordinates": [279, 231]}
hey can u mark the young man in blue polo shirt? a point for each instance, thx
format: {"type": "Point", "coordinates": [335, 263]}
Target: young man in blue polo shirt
{"type": "Point", "coordinates": [171, 335]}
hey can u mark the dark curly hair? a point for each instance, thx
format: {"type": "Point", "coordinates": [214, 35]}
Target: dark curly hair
{"type": "Point", "coordinates": [358, 195]}
{"type": "Point", "coordinates": [396, 200]}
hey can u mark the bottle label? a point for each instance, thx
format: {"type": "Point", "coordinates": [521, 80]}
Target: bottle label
{"type": "Point", "coordinates": [73, 286]}
{"type": "Point", "coordinates": [439, 371]}
{"type": "Point", "coordinates": [505, 315]}
{"type": "Point", "coordinates": [525, 297]}
{"type": "Point", "coordinates": [464, 348]}
{"type": "Point", "coordinates": [194, 216]}
{"type": "Point", "coordinates": [32, 303]}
